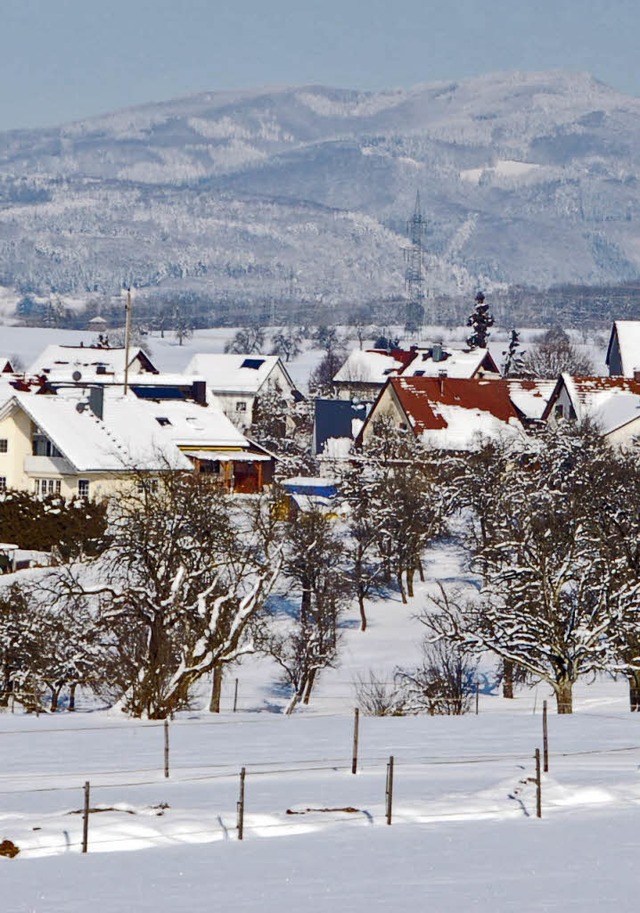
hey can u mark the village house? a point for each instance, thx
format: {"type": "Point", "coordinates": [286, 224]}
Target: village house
{"type": "Point", "coordinates": [87, 442]}
{"type": "Point", "coordinates": [445, 413]}
{"type": "Point", "coordinates": [91, 363]}
{"type": "Point", "coordinates": [364, 373]}
{"type": "Point", "coordinates": [237, 380]}
{"type": "Point", "coordinates": [623, 351]}
{"type": "Point", "coordinates": [612, 404]}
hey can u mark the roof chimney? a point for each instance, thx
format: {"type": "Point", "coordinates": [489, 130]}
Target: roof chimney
{"type": "Point", "coordinates": [436, 352]}
{"type": "Point", "coordinates": [96, 401]}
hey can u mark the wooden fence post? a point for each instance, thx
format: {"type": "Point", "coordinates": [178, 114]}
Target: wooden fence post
{"type": "Point", "coordinates": [545, 738]}
{"type": "Point", "coordinates": [356, 734]}
{"type": "Point", "coordinates": [166, 748]}
{"type": "Point", "coordinates": [389, 790]}
{"type": "Point", "coordinates": [235, 697]}
{"type": "Point", "coordinates": [538, 786]}
{"type": "Point", "coordinates": [240, 806]}
{"type": "Point", "coordinates": [477, 697]}
{"type": "Point", "coordinates": [85, 817]}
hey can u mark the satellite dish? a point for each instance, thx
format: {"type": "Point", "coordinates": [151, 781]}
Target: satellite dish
{"type": "Point", "coordinates": [80, 407]}
{"type": "Point", "coordinates": [76, 376]}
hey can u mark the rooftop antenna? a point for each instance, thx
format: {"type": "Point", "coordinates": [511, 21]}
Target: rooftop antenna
{"type": "Point", "coordinates": [414, 270]}
{"type": "Point", "coordinates": [127, 339]}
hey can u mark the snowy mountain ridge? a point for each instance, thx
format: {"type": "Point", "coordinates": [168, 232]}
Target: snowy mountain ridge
{"type": "Point", "coordinates": [304, 192]}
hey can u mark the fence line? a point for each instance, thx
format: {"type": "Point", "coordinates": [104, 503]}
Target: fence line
{"type": "Point", "coordinates": [265, 769]}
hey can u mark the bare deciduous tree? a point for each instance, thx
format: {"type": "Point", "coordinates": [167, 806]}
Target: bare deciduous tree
{"type": "Point", "coordinates": [186, 576]}
{"type": "Point", "coordinates": [553, 354]}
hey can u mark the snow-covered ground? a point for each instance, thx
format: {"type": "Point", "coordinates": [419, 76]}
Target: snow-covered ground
{"type": "Point", "coordinates": [463, 835]}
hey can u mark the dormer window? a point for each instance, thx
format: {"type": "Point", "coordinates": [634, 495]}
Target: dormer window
{"type": "Point", "coordinates": [42, 446]}
{"type": "Point", "coordinates": [162, 420]}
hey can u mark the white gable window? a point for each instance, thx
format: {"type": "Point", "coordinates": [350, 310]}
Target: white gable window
{"type": "Point", "coordinates": [42, 446]}
{"type": "Point", "coordinates": [83, 488]}
{"type": "Point", "coordinates": [241, 406]}
{"type": "Point", "coordinates": [4, 445]}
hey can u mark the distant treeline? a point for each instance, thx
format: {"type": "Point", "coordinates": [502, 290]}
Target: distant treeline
{"type": "Point", "coordinates": [576, 306]}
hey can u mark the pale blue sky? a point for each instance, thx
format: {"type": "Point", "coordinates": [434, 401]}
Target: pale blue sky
{"type": "Point", "coordinates": [66, 59]}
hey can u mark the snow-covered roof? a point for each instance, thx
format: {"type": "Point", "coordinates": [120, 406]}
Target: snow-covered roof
{"type": "Point", "coordinates": [466, 429]}
{"type": "Point", "coordinates": [369, 367]}
{"type": "Point", "coordinates": [457, 363]}
{"type": "Point", "coordinates": [229, 456]}
{"type": "Point", "coordinates": [610, 402]}
{"type": "Point", "coordinates": [627, 332]}
{"type": "Point", "coordinates": [5, 365]}
{"type": "Point", "coordinates": [91, 361]}
{"type": "Point", "coordinates": [455, 413]}
{"type": "Point", "coordinates": [530, 397]}
{"type": "Point", "coordinates": [132, 432]}
{"type": "Point", "coordinates": [190, 425]}
{"type": "Point", "coordinates": [227, 373]}
{"type": "Point", "coordinates": [374, 366]}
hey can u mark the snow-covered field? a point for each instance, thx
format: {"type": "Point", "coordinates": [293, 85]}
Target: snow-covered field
{"type": "Point", "coordinates": [463, 836]}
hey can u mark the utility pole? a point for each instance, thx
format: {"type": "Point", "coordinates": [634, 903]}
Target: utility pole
{"type": "Point", "coordinates": [127, 340]}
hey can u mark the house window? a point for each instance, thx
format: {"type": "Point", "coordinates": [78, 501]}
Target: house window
{"type": "Point", "coordinates": [3, 483]}
{"type": "Point", "coordinates": [143, 485]}
{"type": "Point", "coordinates": [44, 487]}
{"type": "Point", "coordinates": [83, 488]}
{"type": "Point", "coordinates": [162, 420]}
{"type": "Point", "coordinates": [558, 410]}
{"type": "Point", "coordinates": [4, 445]}
{"type": "Point", "coordinates": [241, 406]}
{"type": "Point", "coordinates": [42, 446]}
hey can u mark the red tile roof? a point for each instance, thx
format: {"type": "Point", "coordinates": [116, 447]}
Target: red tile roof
{"type": "Point", "coordinates": [420, 398]}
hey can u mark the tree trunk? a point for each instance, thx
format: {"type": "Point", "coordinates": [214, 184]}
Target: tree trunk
{"type": "Point", "coordinates": [363, 615]}
{"type": "Point", "coordinates": [401, 588]}
{"type": "Point", "coordinates": [72, 697]}
{"type": "Point", "coordinates": [564, 696]}
{"type": "Point", "coordinates": [507, 679]}
{"type": "Point", "coordinates": [216, 689]}
{"type": "Point", "coordinates": [421, 570]}
{"type": "Point", "coordinates": [309, 686]}
{"type": "Point", "coordinates": [410, 575]}
{"type": "Point", "coordinates": [55, 694]}
{"type": "Point", "coordinates": [7, 687]}
{"type": "Point", "coordinates": [634, 691]}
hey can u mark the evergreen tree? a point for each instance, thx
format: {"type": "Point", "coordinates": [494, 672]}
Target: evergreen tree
{"type": "Point", "coordinates": [513, 364]}
{"type": "Point", "coordinates": [481, 320]}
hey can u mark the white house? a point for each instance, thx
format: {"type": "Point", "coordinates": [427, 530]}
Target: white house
{"type": "Point", "coordinates": [236, 381]}
{"type": "Point", "coordinates": [623, 352]}
{"type": "Point", "coordinates": [611, 403]}
{"type": "Point", "coordinates": [74, 444]}
{"type": "Point", "coordinates": [91, 363]}
{"type": "Point", "coordinates": [364, 373]}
